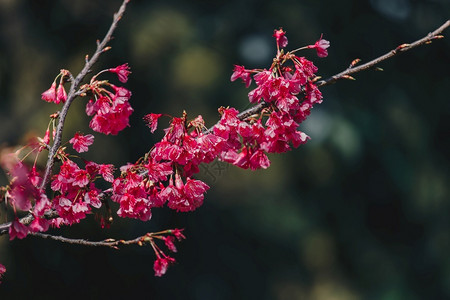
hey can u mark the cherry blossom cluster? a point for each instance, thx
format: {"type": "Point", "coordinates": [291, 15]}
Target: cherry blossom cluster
{"type": "Point", "coordinates": [74, 187]}
{"type": "Point", "coordinates": [57, 94]}
{"type": "Point", "coordinates": [109, 104]}
{"type": "Point", "coordinates": [164, 176]}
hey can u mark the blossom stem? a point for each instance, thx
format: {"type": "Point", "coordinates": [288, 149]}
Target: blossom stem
{"type": "Point", "coordinates": [298, 49]}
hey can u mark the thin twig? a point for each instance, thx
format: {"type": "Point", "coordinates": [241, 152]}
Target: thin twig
{"type": "Point", "coordinates": [111, 243]}
{"type": "Point", "coordinates": [402, 48]}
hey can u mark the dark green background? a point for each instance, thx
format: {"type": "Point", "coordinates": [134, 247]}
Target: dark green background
{"type": "Point", "coordinates": [359, 212]}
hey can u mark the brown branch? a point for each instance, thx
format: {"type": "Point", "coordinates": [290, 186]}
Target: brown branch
{"type": "Point", "coordinates": [111, 243]}
{"type": "Point", "coordinates": [75, 83]}
{"type": "Point", "coordinates": [402, 48]}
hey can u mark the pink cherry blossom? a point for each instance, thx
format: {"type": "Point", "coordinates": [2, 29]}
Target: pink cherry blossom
{"type": "Point", "coordinates": [112, 122]}
{"type": "Point", "coordinates": [81, 142]}
{"type": "Point", "coordinates": [39, 225]}
{"type": "Point", "coordinates": [169, 242]}
{"type": "Point", "coordinates": [241, 72]}
{"type": "Point", "coordinates": [280, 36]}
{"type": "Point", "coordinates": [151, 121]}
{"type": "Point", "coordinates": [17, 229]}
{"type": "Point", "coordinates": [321, 47]}
{"type": "Point", "coordinates": [22, 188]}
{"type": "Point", "coordinates": [106, 170]}
{"type": "Point", "coordinates": [161, 264]}
{"type": "Point", "coordinates": [122, 72]}
{"type": "Point", "coordinates": [61, 95]}
{"type": "Point", "coordinates": [121, 94]}
{"type": "Point", "coordinates": [50, 94]}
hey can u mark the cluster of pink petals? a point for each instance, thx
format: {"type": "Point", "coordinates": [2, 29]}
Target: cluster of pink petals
{"type": "Point", "coordinates": [76, 191]}
{"type": "Point", "coordinates": [81, 142]}
{"type": "Point", "coordinates": [166, 176]}
{"type": "Point", "coordinates": [122, 72]}
{"type": "Point", "coordinates": [111, 111]}
{"type": "Point", "coordinates": [25, 195]}
{"type": "Point", "coordinates": [54, 94]}
{"type": "Point", "coordinates": [151, 183]}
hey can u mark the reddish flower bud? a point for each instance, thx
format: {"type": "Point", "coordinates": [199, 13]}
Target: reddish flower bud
{"type": "Point", "coordinates": [61, 95]}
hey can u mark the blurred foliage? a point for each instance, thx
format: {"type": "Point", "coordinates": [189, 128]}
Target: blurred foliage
{"type": "Point", "coordinates": [360, 212]}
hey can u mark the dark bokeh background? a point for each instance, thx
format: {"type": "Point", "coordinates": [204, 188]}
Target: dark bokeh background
{"type": "Point", "coordinates": [360, 212]}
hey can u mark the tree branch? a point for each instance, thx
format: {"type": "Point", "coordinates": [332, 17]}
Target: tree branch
{"type": "Point", "coordinates": [111, 243]}
{"type": "Point", "coordinates": [402, 48]}
{"type": "Point", "coordinates": [243, 115]}
{"type": "Point", "coordinates": [73, 93]}
{"type": "Point", "coordinates": [346, 74]}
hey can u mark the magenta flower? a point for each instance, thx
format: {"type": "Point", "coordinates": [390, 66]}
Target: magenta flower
{"type": "Point", "coordinates": [152, 121]}
{"type": "Point", "coordinates": [50, 94]}
{"type": "Point", "coordinates": [81, 142]}
{"type": "Point", "coordinates": [321, 47]}
{"type": "Point", "coordinates": [18, 230]}
{"type": "Point", "coordinates": [161, 264]}
{"type": "Point", "coordinates": [61, 95]}
{"type": "Point", "coordinates": [122, 72]}
{"type": "Point", "coordinates": [2, 271]}
{"type": "Point", "coordinates": [107, 172]}
{"type": "Point", "coordinates": [169, 242]}
{"type": "Point", "coordinates": [280, 36]}
{"type": "Point", "coordinates": [178, 233]}
{"type": "Point", "coordinates": [39, 225]}
{"type": "Point", "coordinates": [241, 72]}
{"type": "Point", "coordinates": [112, 122]}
